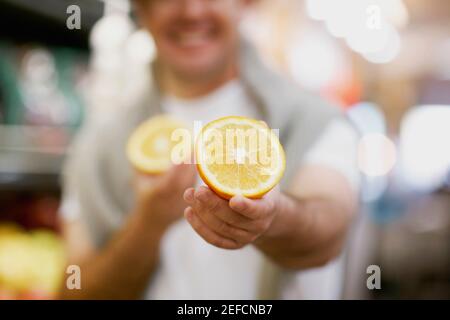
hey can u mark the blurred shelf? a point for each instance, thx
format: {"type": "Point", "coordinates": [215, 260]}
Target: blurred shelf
{"type": "Point", "coordinates": [29, 182]}
{"type": "Point", "coordinates": [31, 158]}
{"type": "Point", "coordinates": [45, 21]}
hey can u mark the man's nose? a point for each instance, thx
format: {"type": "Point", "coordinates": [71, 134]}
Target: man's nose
{"type": "Point", "coordinates": [193, 8]}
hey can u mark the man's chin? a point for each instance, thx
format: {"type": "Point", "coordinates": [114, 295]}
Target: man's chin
{"type": "Point", "coordinates": [195, 69]}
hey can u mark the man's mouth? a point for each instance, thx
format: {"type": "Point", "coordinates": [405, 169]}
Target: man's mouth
{"type": "Point", "coordinates": [192, 38]}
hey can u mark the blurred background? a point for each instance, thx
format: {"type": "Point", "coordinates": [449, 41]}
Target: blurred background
{"type": "Point", "coordinates": [392, 79]}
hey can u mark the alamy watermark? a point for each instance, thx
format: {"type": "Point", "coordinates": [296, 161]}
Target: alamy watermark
{"type": "Point", "coordinates": [374, 280]}
{"type": "Point", "coordinates": [73, 21]}
{"type": "Point", "coordinates": [73, 281]}
{"type": "Point", "coordinates": [249, 145]}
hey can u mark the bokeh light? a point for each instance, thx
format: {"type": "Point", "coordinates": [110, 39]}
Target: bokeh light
{"type": "Point", "coordinates": [376, 154]}
{"type": "Point", "coordinates": [368, 27]}
{"type": "Point", "coordinates": [140, 47]}
{"type": "Point", "coordinates": [425, 151]}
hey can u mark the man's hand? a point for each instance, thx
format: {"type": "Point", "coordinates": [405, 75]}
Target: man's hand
{"type": "Point", "coordinates": [124, 266]}
{"type": "Point", "coordinates": [230, 224]}
{"type": "Point", "coordinates": [160, 197]}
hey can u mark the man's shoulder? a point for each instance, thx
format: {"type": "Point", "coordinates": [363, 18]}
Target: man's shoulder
{"type": "Point", "coordinates": [282, 96]}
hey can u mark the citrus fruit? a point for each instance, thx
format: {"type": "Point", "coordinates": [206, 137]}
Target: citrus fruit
{"type": "Point", "coordinates": [150, 146]}
{"type": "Point", "coordinates": [238, 155]}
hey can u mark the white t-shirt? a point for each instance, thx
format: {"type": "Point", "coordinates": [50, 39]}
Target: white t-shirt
{"type": "Point", "coordinates": [190, 268]}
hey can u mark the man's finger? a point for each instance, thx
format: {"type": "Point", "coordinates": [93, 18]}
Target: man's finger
{"type": "Point", "coordinates": [251, 208]}
{"type": "Point", "coordinates": [206, 233]}
{"type": "Point", "coordinates": [188, 196]}
{"type": "Point", "coordinates": [206, 199]}
{"type": "Point", "coordinates": [209, 200]}
{"type": "Point", "coordinates": [221, 227]}
{"type": "Point", "coordinates": [235, 219]}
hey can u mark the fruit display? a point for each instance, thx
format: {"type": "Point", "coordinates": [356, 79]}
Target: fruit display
{"type": "Point", "coordinates": [31, 263]}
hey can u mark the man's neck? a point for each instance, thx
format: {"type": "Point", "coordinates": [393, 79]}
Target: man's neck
{"type": "Point", "coordinates": [191, 88]}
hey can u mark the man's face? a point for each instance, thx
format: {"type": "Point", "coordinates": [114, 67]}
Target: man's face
{"type": "Point", "coordinates": [193, 37]}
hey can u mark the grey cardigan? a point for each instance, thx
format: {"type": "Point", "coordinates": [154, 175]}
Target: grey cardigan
{"type": "Point", "coordinates": [100, 175]}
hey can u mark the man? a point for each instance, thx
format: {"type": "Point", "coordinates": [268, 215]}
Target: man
{"type": "Point", "coordinates": [132, 242]}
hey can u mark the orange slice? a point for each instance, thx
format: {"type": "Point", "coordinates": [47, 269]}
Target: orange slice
{"type": "Point", "coordinates": [238, 155]}
{"type": "Point", "coordinates": [150, 147]}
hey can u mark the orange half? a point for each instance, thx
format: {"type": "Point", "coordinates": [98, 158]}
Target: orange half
{"type": "Point", "coordinates": [238, 155]}
{"type": "Point", "coordinates": [150, 147]}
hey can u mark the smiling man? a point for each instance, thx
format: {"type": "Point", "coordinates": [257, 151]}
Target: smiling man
{"type": "Point", "coordinates": [133, 242]}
